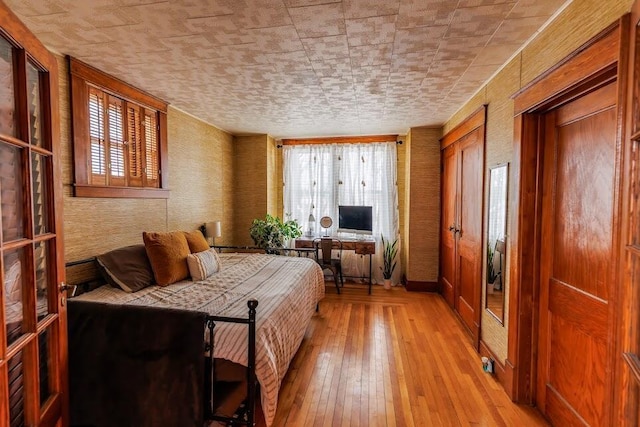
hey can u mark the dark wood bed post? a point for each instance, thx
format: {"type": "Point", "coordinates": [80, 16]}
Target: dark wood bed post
{"type": "Point", "coordinates": [251, 368]}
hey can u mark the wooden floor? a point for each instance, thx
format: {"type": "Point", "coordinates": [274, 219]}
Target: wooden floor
{"type": "Point", "coordinates": [394, 358]}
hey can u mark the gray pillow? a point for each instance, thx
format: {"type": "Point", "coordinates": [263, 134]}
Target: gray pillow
{"type": "Point", "coordinates": [127, 268]}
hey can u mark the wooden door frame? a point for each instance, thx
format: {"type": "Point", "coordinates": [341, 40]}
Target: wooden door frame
{"type": "Point", "coordinates": [601, 60]}
{"type": "Point", "coordinates": [13, 29]}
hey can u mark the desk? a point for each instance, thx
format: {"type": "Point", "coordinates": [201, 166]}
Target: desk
{"type": "Point", "coordinates": [361, 247]}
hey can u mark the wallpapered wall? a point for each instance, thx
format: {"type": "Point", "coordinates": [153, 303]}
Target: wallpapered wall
{"type": "Point", "coordinates": [422, 193]}
{"type": "Point", "coordinates": [580, 21]}
{"type": "Point", "coordinates": [200, 178]}
{"type": "Point", "coordinates": [251, 183]}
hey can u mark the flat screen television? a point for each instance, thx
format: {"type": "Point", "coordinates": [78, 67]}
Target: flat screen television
{"type": "Point", "coordinates": [355, 219]}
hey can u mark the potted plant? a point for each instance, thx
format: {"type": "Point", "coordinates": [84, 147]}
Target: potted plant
{"type": "Point", "coordinates": [389, 254]}
{"type": "Point", "coordinates": [272, 232]}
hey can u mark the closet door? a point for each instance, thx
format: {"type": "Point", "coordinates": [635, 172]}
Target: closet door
{"type": "Point", "coordinates": [468, 263]}
{"type": "Point", "coordinates": [461, 251]}
{"type": "Point", "coordinates": [448, 230]}
{"type": "Point", "coordinates": [33, 322]}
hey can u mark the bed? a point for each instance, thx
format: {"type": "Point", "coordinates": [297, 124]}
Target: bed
{"type": "Point", "coordinates": [287, 289]}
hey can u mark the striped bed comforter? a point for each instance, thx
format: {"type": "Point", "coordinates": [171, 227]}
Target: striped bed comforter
{"type": "Point", "coordinates": [287, 290]}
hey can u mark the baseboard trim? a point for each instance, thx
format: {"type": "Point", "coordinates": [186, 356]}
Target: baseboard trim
{"type": "Point", "coordinates": [498, 367]}
{"type": "Point", "coordinates": [416, 286]}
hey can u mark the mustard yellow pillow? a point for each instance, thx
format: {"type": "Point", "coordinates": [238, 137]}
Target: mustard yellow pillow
{"type": "Point", "coordinates": [196, 241]}
{"type": "Point", "coordinates": [167, 253]}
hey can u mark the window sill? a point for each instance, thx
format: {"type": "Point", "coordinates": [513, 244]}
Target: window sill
{"type": "Point", "coordinates": [120, 192]}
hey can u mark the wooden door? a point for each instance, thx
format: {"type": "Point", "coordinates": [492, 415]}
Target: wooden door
{"type": "Point", "coordinates": [32, 316]}
{"type": "Point", "coordinates": [577, 267]}
{"type": "Point", "coordinates": [468, 261]}
{"type": "Point", "coordinates": [448, 227]}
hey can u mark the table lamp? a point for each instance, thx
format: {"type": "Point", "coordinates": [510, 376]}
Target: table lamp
{"type": "Point", "coordinates": [213, 229]}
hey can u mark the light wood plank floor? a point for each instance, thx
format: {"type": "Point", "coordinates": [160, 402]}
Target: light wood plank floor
{"type": "Point", "coordinates": [394, 358]}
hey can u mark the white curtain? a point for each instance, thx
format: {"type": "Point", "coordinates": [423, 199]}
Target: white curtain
{"type": "Point", "coordinates": [319, 178]}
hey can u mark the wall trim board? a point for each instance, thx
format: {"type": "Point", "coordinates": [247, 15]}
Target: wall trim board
{"type": "Point", "coordinates": [471, 123]}
{"type": "Point", "coordinates": [498, 367]}
{"type": "Point", "coordinates": [593, 65]}
{"type": "Point", "coordinates": [594, 57]}
{"type": "Point", "coordinates": [418, 286]}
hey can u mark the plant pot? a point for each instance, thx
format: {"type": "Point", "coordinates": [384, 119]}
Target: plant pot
{"type": "Point", "coordinates": [387, 283]}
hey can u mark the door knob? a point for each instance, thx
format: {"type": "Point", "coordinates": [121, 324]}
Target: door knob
{"type": "Point", "coordinates": [452, 228]}
{"type": "Point", "coordinates": [70, 288]}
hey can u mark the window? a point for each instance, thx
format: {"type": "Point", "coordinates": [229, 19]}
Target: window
{"type": "Point", "coordinates": [320, 177]}
{"type": "Point", "coordinates": [119, 137]}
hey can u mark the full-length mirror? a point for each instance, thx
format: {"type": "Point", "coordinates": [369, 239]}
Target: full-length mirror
{"type": "Point", "coordinates": [496, 240]}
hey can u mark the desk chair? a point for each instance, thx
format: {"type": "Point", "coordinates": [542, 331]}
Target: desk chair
{"type": "Point", "coordinates": [326, 244]}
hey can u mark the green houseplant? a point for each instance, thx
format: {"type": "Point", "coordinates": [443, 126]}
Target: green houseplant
{"type": "Point", "coordinates": [272, 232]}
{"type": "Point", "coordinates": [389, 254]}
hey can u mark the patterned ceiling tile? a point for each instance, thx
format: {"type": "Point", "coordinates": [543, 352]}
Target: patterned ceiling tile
{"type": "Point", "coordinates": [412, 61]}
{"type": "Point", "coordinates": [276, 39]}
{"type": "Point", "coordinates": [420, 13]}
{"type": "Point", "coordinates": [165, 16]}
{"type": "Point", "coordinates": [517, 30]}
{"type": "Point", "coordinates": [419, 39]}
{"type": "Point", "coordinates": [448, 68]}
{"type": "Point", "coordinates": [476, 3]}
{"type": "Point", "coordinates": [323, 48]}
{"type": "Point", "coordinates": [461, 48]}
{"type": "Point", "coordinates": [73, 39]}
{"type": "Point", "coordinates": [289, 61]}
{"type": "Point", "coordinates": [108, 17]}
{"type": "Point", "coordinates": [295, 67]}
{"type": "Point", "coordinates": [495, 54]}
{"type": "Point", "coordinates": [199, 9]}
{"type": "Point", "coordinates": [364, 56]}
{"type": "Point", "coordinates": [339, 67]}
{"type": "Point", "coordinates": [367, 8]}
{"type": "Point", "coordinates": [527, 8]}
{"type": "Point", "coordinates": [477, 21]}
{"type": "Point", "coordinates": [375, 30]}
{"type": "Point", "coordinates": [318, 21]}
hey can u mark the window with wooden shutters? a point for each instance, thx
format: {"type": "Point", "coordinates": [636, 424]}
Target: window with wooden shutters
{"type": "Point", "coordinates": [97, 159]}
{"type": "Point", "coordinates": [119, 137]}
{"type": "Point", "coordinates": [151, 148]}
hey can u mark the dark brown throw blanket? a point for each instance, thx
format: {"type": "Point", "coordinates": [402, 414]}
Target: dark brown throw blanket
{"type": "Point", "coordinates": [135, 366]}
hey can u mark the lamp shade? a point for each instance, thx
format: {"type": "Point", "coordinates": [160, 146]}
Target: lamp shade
{"type": "Point", "coordinates": [214, 229]}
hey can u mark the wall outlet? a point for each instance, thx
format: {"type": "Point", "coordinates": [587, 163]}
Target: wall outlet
{"type": "Point", "coordinates": [487, 365]}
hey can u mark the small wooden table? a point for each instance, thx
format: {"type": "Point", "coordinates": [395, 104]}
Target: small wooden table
{"type": "Point", "coordinates": [360, 246]}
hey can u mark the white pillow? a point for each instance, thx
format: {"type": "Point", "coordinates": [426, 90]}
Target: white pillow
{"type": "Point", "coordinates": [13, 282]}
{"type": "Point", "coordinates": [203, 264]}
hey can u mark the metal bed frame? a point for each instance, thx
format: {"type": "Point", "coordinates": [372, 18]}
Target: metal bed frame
{"type": "Point", "coordinates": [247, 416]}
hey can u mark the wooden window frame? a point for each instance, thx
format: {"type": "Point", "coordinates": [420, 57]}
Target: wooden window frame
{"type": "Point", "coordinates": [84, 78]}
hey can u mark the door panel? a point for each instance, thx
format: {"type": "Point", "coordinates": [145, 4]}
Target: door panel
{"type": "Point", "coordinates": [448, 224]}
{"type": "Point", "coordinates": [32, 314]}
{"type": "Point", "coordinates": [576, 274]}
{"type": "Point", "coordinates": [469, 249]}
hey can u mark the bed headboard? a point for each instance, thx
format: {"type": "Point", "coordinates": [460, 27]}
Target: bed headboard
{"type": "Point", "coordinates": [84, 274]}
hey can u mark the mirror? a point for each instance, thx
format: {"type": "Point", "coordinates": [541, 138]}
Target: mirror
{"type": "Point", "coordinates": [496, 240]}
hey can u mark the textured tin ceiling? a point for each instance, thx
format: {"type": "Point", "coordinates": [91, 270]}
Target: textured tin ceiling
{"type": "Point", "coordinates": [294, 68]}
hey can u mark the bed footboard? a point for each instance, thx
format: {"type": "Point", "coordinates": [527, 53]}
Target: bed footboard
{"type": "Point", "coordinates": [212, 397]}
